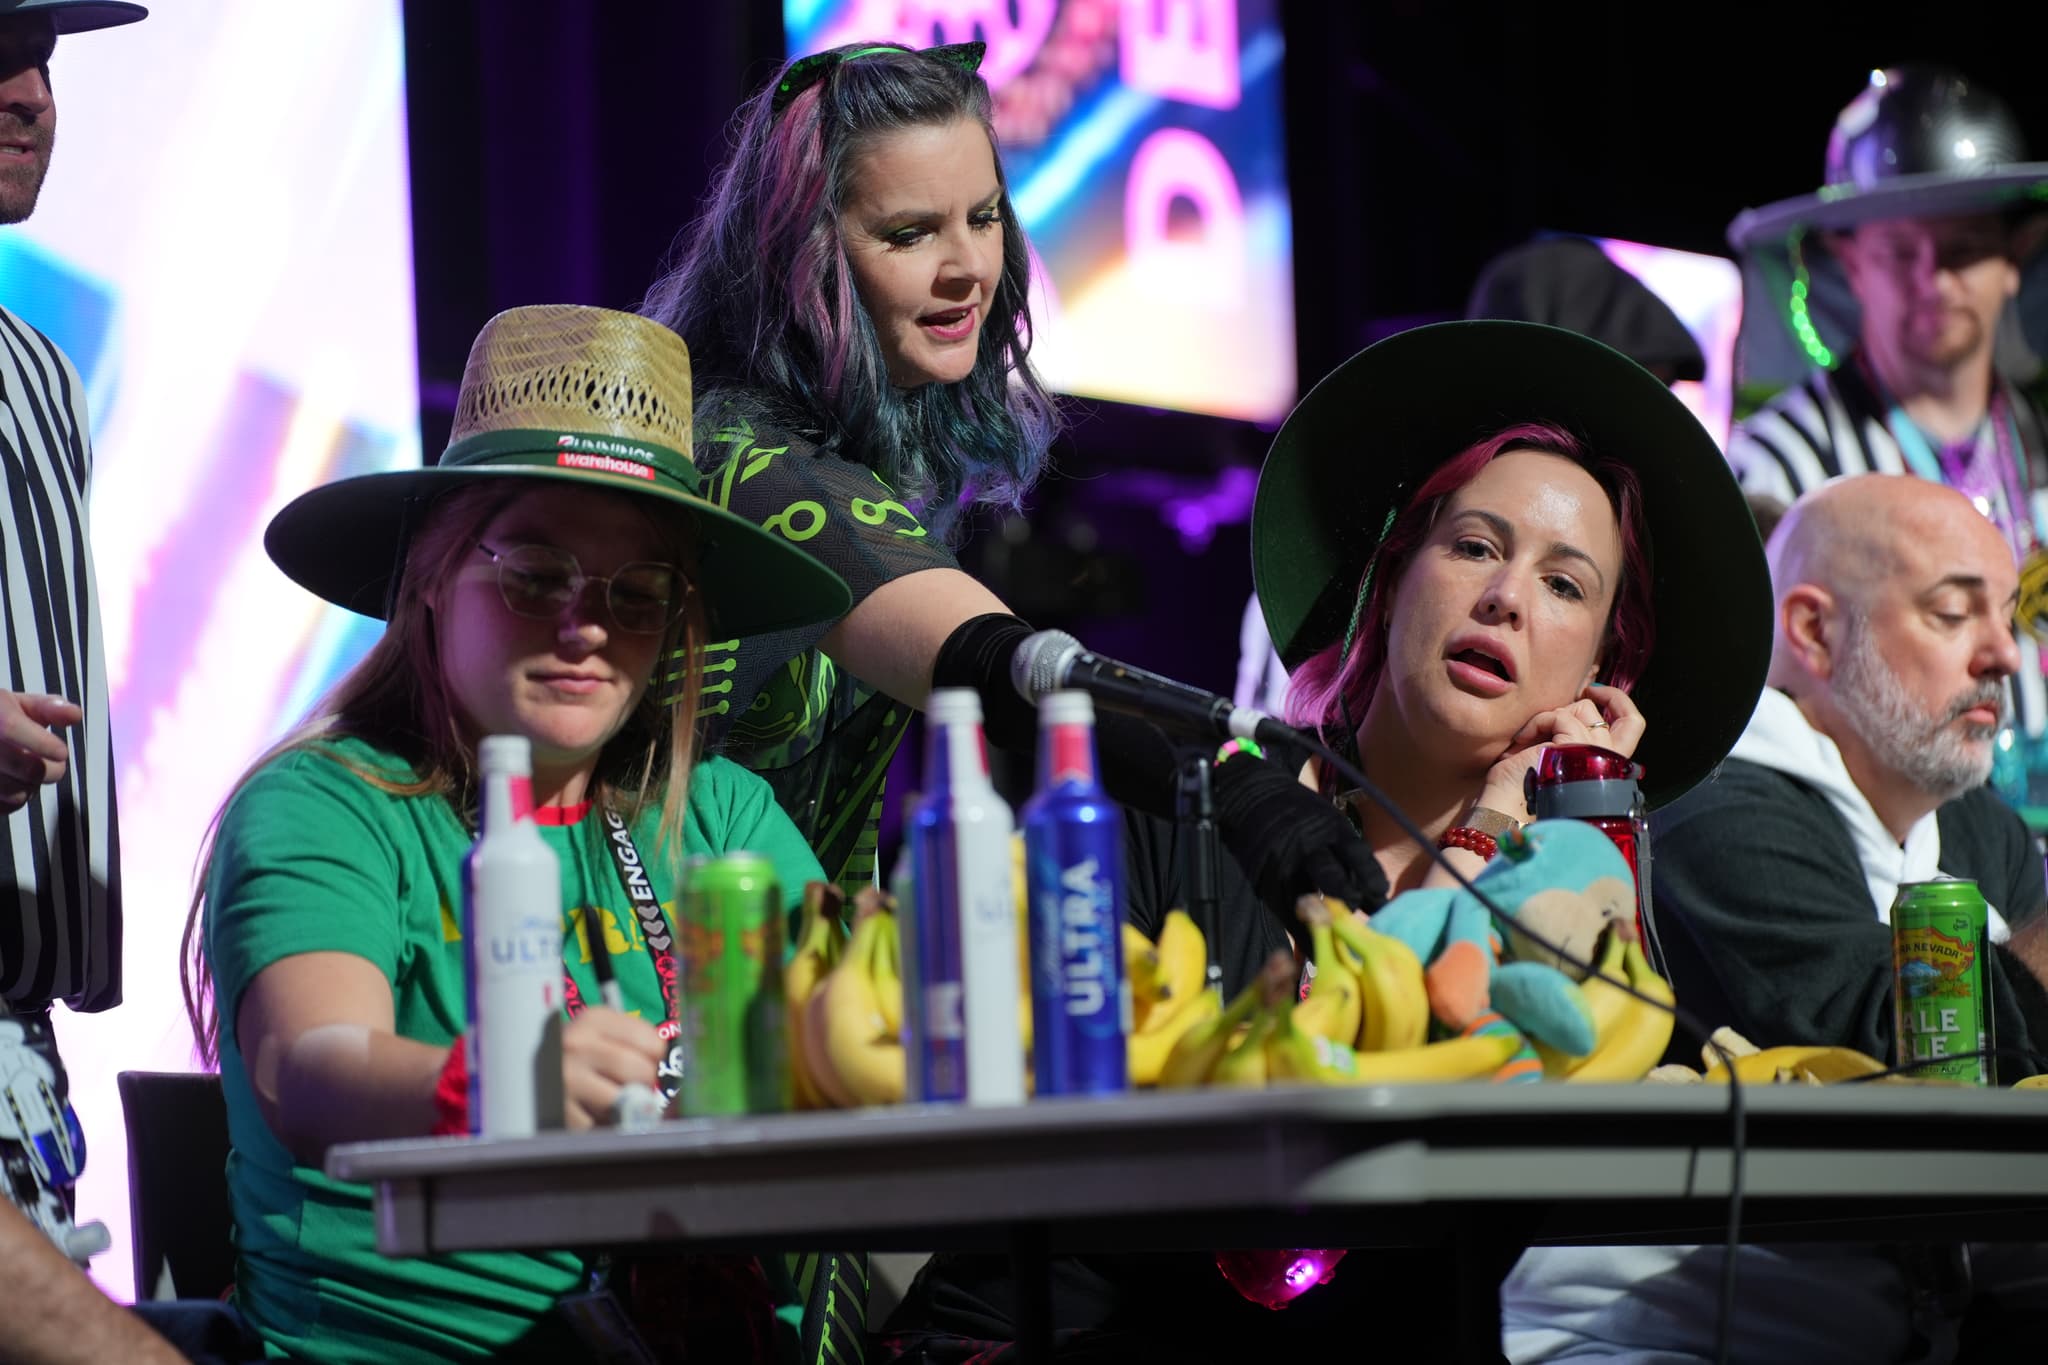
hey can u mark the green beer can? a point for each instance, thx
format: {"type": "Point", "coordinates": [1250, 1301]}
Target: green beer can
{"type": "Point", "coordinates": [1941, 938]}
{"type": "Point", "coordinates": [731, 925]}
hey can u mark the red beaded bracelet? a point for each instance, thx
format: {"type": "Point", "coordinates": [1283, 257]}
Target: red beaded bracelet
{"type": "Point", "coordinates": [451, 1092]}
{"type": "Point", "coordinates": [1470, 839]}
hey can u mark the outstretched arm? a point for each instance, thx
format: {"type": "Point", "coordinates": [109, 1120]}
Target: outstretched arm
{"type": "Point", "coordinates": [892, 638]}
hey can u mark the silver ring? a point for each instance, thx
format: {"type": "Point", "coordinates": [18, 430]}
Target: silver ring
{"type": "Point", "coordinates": [1596, 725]}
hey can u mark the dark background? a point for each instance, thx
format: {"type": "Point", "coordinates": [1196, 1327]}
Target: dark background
{"type": "Point", "coordinates": [558, 147]}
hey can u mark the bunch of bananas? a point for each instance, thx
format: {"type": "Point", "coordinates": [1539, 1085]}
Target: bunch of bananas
{"type": "Point", "coordinates": [1365, 1020]}
{"type": "Point", "coordinates": [1365, 1017]}
{"type": "Point", "coordinates": [844, 997]}
{"type": "Point", "coordinates": [1629, 1031]}
{"type": "Point", "coordinates": [1170, 992]}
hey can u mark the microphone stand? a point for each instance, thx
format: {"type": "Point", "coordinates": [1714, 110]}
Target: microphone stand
{"type": "Point", "coordinates": [1201, 849]}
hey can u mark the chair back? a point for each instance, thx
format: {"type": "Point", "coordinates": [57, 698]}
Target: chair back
{"type": "Point", "coordinates": [180, 1221]}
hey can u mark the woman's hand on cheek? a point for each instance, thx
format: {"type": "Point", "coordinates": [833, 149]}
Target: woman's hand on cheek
{"type": "Point", "coordinates": [1603, 716]}
{"type": "Point", "coordinates": [603, 1050]}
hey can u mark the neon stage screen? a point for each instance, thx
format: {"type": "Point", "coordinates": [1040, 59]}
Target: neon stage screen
{"type": "Point", "coordinates": [1706, 293]}
{"type": "Point", "coordinates": [224, 248]}
{"type": "Point", "coordinates": [1143, 144]}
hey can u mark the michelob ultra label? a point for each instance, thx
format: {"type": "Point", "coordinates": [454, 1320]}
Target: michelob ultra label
{"type": "Point", "coordinates": [1941, 994]}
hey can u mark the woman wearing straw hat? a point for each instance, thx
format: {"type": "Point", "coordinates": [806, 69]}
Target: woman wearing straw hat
{"type": "Point", "coordinates": [854, 296]}
{"type": "Point", "coordinates": [534, 581]}
{"type": "Point", "coordinates": [1470, 541]}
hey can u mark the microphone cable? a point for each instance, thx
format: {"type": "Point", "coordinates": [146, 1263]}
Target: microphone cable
{"type": "Point", "coordinates": [2039, 1061]}
{"type": "Point", "coordinates": [1737, 1116]}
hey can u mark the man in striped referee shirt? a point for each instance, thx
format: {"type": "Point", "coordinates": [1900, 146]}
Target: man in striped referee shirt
{"type": "Point", "coordinates": [60, 927]}
{"type": "Point", "coordinates": [60, 930]}
{"type": "Point", "coordinates": [1928, 210]}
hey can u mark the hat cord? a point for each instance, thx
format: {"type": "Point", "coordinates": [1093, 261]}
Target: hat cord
{"type": "Point", "coordinates": [1357, 612]}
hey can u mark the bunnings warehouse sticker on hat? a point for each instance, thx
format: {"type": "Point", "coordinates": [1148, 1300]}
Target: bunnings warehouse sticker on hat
{"type": "Point", "coordinates": [606, 457]}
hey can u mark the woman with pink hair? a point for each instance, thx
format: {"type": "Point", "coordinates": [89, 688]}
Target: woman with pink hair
{"type": "Point", "coordinates": [1470, 542]}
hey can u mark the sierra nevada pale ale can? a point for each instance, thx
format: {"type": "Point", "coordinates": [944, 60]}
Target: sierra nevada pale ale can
{"type": "Point", "coordinates": [1941, 994]}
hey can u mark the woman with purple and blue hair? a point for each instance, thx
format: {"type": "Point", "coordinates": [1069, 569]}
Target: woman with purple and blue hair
{"type": "Point", "coordinates": [854, 296]}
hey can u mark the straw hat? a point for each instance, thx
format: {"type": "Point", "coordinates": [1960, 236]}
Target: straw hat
{"type": "Point", "coordinates": [76, 16]}
{"type": "Point", "coordinates": [555, 394]}
{"type": "Point", "coordinates": [1355, 449]}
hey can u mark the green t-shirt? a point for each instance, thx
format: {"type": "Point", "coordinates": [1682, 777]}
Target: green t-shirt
{"type": "Point", "coordinates": [310, 857]}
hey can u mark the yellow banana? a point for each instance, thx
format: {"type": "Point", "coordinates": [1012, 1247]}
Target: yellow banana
{"type": "Point", "coordinates": [889, 977]}
{"type": "Point", "coordinates": [1180, 1002]}
{"type": "Point", "coordinates": [2039, 1082]}
{"type": "Point", "coordinates": [1141, 966]}
{"type": "Point", "coordinates": [818, 942]}
{"type": "Point", "coordinates": [1634, 1042]}
{"type": "Point", "coordinates": [1473, 1055]}
{"type": "Point", "coordinates": [1395, 1013]}
{"type": "Point", "coordinates": [1201, 1045]}
{"type": "Point", "coordinates": [1183, 960]}
{"type": "Point", "coordinates": [1799, 1065]}
{"type": "Point", "coordinates": [863, 1059]}
{"type": "Point", "coordinates": [1733, 1043]}
{"type": "Point", "coordinates": [1244, 1066]}
{"type": "Point", "coordinates": [1020, 891]}
{"type": "Point", "coordinates": [1148, 1053]}
{"type": "Point", "coordinates": [1335, 1006]}
{"type": "Point", "coordinates": [1604, 1005]}
{"type": "Point", "coordinates": [1295, 1053]}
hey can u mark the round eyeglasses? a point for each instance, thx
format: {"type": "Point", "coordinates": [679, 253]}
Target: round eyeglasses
{"type": "Point", "coordinates": [539, 581]}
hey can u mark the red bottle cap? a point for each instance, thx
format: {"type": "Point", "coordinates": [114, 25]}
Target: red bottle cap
{"type": "Point", "coordinates": [1584, 763]}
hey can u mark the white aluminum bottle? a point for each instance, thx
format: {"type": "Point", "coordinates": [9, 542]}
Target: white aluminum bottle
{"type": "Point", "coordinates": [963, 1028]}
{"type": "Point", "coordinates": [512, 926]}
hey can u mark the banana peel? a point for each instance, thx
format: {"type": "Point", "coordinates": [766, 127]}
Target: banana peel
{"type": "Point", "coordinates": [1796, 1065]}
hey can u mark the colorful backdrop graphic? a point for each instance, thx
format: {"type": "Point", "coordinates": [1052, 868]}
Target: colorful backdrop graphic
{"type": "Point", "coordinates": [1144, 150]}
{"type": "Point", "coordinates": [224, 249]}
{"type": "Point", "coordinates": [1706, 293]}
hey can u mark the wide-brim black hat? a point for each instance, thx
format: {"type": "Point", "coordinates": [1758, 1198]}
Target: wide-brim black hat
{"type": "Point", "coordinates": [77, 16]}
{"type": "Point", "coordinates": [1356, 448]}
{"type": "Point", "coordinates": [561, 394]}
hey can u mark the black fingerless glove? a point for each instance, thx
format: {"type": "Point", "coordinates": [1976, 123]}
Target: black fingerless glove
{"type": "Point", "coordinates": [1135, 759]}
{"type": "Point", "coordinates": [1289, 841]}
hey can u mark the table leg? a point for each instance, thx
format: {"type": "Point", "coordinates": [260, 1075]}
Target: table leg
{"type": "Point", "coordinates": [1031, 1272]}
{"type": "Point", "coordinates": [1483, 1260]}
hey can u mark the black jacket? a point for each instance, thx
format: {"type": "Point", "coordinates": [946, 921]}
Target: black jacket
{"type": "Point", "coordinates": [1761, 907]}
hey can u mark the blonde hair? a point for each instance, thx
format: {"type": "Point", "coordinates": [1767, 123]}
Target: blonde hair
{"type": "Point", "coordinates": [396, 699]}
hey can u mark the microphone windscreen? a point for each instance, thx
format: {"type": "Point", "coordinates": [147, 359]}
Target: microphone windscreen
{"type": "Point", "coordinates": [1040, 663]}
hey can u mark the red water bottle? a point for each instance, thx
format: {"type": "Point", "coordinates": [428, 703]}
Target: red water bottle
{"type": "Point", "coordinates": [1605, 789]}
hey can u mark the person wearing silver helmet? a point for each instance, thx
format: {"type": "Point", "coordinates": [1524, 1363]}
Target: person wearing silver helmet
{"type": "Point", "coordinates": [1929, 211]}
{"type": "Point", "coordinates": [1929, 208]}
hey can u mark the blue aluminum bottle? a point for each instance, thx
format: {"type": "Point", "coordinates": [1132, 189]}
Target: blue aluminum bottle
{"type": "Point", "coordinates": [1073, 860]}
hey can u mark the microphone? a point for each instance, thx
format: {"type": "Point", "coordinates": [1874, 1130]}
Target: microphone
{"type": "Point", "coordinates": [1052, 659]}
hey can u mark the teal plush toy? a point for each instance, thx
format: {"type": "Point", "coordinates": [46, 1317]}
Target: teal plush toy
{"type": "Point", "coordinates": [1562, 879]}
